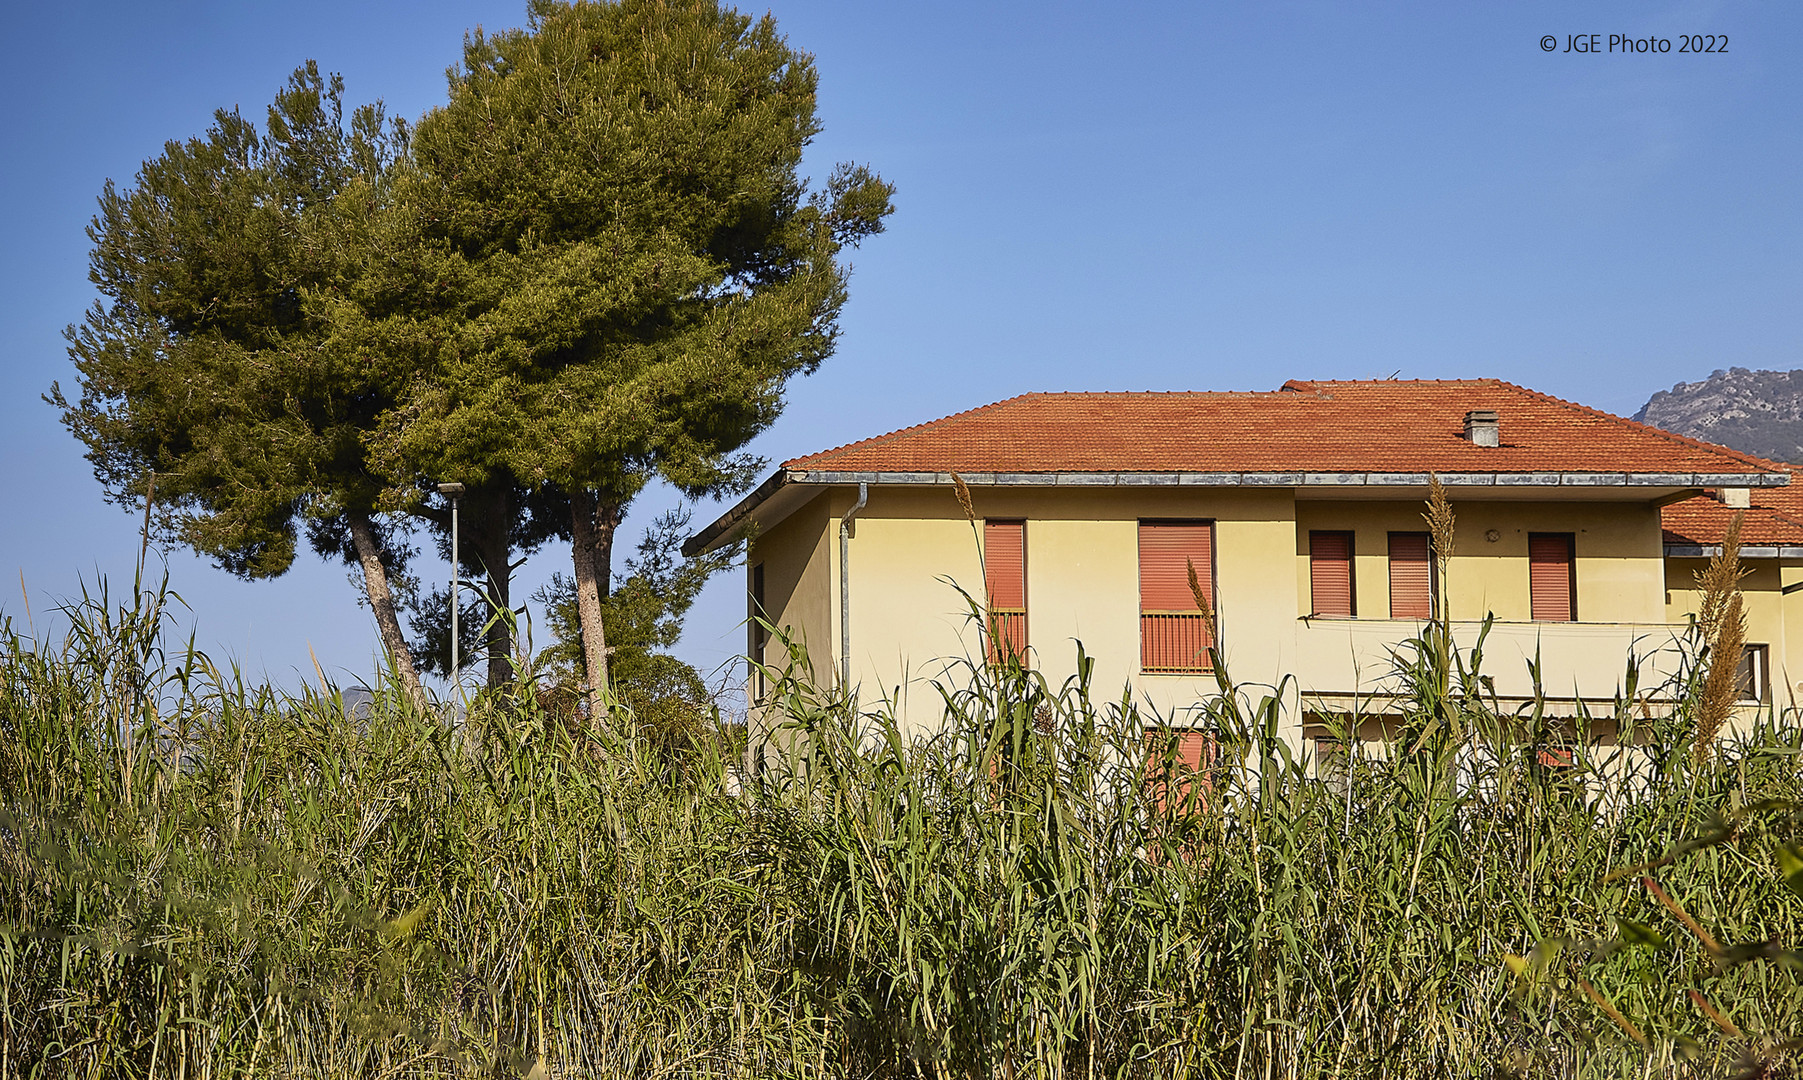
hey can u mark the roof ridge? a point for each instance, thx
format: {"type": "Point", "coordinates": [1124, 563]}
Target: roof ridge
{"type": "Point", "coordinates": [1671, 436]}
{"type": "Point", "coordinates": [1393, 382]}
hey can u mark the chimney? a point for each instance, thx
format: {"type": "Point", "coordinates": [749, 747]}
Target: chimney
{"type": "Point", "coordinates": [1737, 498]}
{"type": "Point", "coordinates": [1483, 428]}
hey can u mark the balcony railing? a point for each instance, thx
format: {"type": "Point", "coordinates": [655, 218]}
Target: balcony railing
{"type": "Point", "coordinates": [1007, 634]}
{"type": "Point", "coordinates": [1173, 641]}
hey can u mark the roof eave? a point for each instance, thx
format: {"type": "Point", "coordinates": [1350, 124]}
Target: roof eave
{"type": "Point", "coordinates": [1747, 551]}
{"type": "Point", "coordinates": [723, 529]}
{"type": "Point", "coordinates": [1296, 479]}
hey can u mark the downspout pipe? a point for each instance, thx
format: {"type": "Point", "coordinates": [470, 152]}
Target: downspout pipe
{"type": "Point", "coordinates": [845, 586]}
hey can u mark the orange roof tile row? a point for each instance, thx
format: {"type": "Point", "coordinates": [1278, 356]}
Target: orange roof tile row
{"type": "Point", "coordinates": [1377, 426]}
{"type": "Point", "coordinates": [1774, 520]}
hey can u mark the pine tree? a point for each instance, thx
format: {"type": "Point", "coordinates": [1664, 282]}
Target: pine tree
{"type": "Point", "coordinates": [247, 347]}
{"type": "Point", "coordinates": [627, 266]}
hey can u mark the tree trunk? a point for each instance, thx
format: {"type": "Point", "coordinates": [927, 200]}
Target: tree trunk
{"type": "Point", "coordinates": [488, 553]}
{"type": "Point", "coordinates": [592, 526]}
{"type": "Point", "coordinates": [498, 590]}
{"type": "Point", "coordinates": [381, 601]}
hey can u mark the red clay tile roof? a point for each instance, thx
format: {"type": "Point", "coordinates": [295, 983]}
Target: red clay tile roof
{"type": "Point", "coordinates": [1774, 519]}
{"type": "Point", "coordinates": [1379, 426]}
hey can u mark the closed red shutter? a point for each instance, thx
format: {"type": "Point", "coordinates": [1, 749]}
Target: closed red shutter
{"type": "Point", "coordinates": [1330, 574]}
{"type": "Point", "coordinates": [1005, 576]}
{"type": "Point", "coordinates": [1411, 577]}
{"type": "Point", "coordinates": [1191, 756]}
{"type": "Point", "coordinates": [1552, 596]}
{"type": "Point", "coordinates": [1173, 634]}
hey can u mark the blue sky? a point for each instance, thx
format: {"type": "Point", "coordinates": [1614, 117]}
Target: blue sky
{"type": "Point", "coordinates": [1105, 197]}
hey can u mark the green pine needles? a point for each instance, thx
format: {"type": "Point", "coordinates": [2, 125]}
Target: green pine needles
{"type": "Point", "coordinates": [596, 265]}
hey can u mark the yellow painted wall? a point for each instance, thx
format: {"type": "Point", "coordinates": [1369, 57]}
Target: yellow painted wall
{"type": "Point", "coordinates": [1082, 586]}
{"type": "Point", "coordinates": [1787, 677]}
{"type": "Point", "coordinates": [912, 544]}
{"type": "Point", "coordinates": [1769, 614]}
{"type": "Point", "coordinates": [908, 623]}
{"type": "Point", "coordinates": [798, 586]}
{"type": "Point", "coordinates": [1618, 550]}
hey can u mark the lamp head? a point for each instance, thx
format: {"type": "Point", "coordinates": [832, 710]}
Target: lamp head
{"type": "Point", "coordinates": [452, 490]}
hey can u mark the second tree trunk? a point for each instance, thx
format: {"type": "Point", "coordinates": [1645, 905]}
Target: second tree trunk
{"type": "Point", "coordinates": [381, 601]}
{"type": "Point", "coordinates": [592, 525]}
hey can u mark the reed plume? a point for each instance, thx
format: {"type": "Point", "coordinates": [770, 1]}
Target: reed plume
{"type": "Point", "coordinates": [1207, 609]}
{"type": "Point", "coordinates": [1723, 624]}
{"type": "Point", "coordinates": [962, 490]}
{"type": "Point", "coordinates": [1439, 520]}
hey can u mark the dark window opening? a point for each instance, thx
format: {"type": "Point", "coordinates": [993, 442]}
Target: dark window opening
{"type": "Point", "coordinates": [1754, 679]}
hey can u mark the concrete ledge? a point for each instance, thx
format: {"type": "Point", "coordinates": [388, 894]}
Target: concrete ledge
{"type": "Point", "coordinates": [1747, 551]}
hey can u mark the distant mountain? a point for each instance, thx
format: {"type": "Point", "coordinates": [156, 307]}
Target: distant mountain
{"type": "Point", "coordinates": [1755, 412]}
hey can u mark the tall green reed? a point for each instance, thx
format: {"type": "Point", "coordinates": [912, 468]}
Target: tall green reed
{"type": "Point", "coordinates": [206, 877]}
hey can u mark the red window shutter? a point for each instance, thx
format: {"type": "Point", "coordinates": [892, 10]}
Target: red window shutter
{"type": "Point", "coordinates": [1330, 574]}
{"type": "Point", "coordinates": [1551, 595]}
{"type": "Point", "coordinates": [1173, 633]}
{"type": "Point", "coordinates": [1192, 755]}
{"type": "Point", "coordinates": [1411, 576]}
{"type": "Point", "coordinates": [1005, 577]}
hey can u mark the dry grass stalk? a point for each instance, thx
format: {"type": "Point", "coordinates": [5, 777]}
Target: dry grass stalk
{"type": "Point", "coordinates": [1439, 520]}
{"type": "Point", "coordinates": [1712, 946]}
{"type": "Point", "coordinates": [1202, 604]}
{"type": "Point", "coordinates": [1611, 1011]}
{"type": "Point", "coordinates": [1723, 623]}
{"type": "Point", "coordinates": [963, 492]}
{"type": "Point", "coordinates": [1729, 1027]}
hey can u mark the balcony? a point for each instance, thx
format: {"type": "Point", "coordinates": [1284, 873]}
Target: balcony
{"type": "Point", "coordinates": [1007, 634]}
{"type": "Point", "coordinates": [1336, 659]}
{"type": "Point", "coordinates": [1173, 642]}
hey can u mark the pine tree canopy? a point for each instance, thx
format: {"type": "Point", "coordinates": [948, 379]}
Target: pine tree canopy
{"type": "Point", "coordinates": [595, 264]}
{"type": "Point", "coordinates": [627, 267]}
{"type": "Point", "coordinates": [235, 354]}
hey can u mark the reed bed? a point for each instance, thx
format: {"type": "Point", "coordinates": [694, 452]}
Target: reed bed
{"type": "Point", "coordinates": [204, 878]}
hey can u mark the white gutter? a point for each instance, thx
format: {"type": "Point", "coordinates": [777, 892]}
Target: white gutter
{"type": "Point", "coordinates": [845, 586]}
{"type": "Point", "coordinates": [1301, 479]}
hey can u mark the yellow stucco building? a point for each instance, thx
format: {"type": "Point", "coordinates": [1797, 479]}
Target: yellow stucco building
{"type": "Point", "coordinates": [1771, 553]}
{"type": "Point", "coordinates": [1300, 510]}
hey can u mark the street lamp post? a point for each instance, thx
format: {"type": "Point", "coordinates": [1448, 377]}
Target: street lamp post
{"type": "Point", "coordinates": [454, 490]}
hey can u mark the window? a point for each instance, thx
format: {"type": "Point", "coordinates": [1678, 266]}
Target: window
{"type": "Point", "coordinates": [1557, 763]}
{"type": "Point", "coordinates": [1554, 757]}
{"type": "Point", "coordinates": [1333, 765]}
{"type": "Point", "coordinates": [1552, 577]}
{"type": "Point", "coordinates": [1411, 576]}
{"type": "Point", "coordinates": [1754, 677]}
{"type": "Point", "coordinates": [1179, 767]}
{"type": "Point", "coordinates": [1173, 633]}
{"type": "Point", "coordinates": [759, 635]}
{"type": "Point", "coordinates": [1005, 579]}
{"type": "Point", "coordinates": [1330, 575]}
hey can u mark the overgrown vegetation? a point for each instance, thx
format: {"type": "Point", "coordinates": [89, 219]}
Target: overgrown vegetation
{"type": "Point", "coordinates": [208, 878]}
